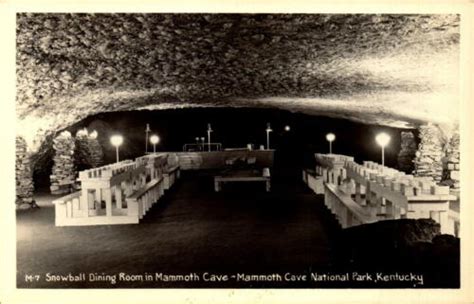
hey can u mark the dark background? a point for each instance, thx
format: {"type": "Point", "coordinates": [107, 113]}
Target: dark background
{"type": "Point", "coordinates": [237, 127]}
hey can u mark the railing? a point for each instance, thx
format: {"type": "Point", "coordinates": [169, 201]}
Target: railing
{"type": "Point", "coordinates": [170, 176]}
{"type": "Point", "coordinates": [218, 160]}
{"type": "Point", "coordinates": [314, 181]}
{"type": "Point", "coordinates": [202, 147]}
{"type": "Point", "coordinates": [67, 207]}
{"type": "Point", "coordinates": [347, 212]}
{"type": "Point", "coordinates": [108, 170]}
{"type": "Point", "coordinates": [142, 200]}
{"type": "Point", "coordinates": [127, 189]}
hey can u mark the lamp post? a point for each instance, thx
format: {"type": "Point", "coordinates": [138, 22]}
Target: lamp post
{"type": "Point", "coordinates": [154, 139]}
{"type": "Point", "coordinates": [209, 130]}
{"type": "Point", "coordinates": [330, 137]}
{"type": "Point", "coordinates": [116, 141]}
{"type": "Point", "coordinates": [268, 130]}
{"type": "Point", "coordinates": [382, 140]}
{"type": "Point", "coordinates": [147, 130]}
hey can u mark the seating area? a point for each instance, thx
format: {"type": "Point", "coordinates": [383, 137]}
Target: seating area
{"type": "Point", "coordinates": [122, 193]}
{"type": "Point", "coordinates": [360, 194]}
{"type": "Point", "coordinates": [119, 193]}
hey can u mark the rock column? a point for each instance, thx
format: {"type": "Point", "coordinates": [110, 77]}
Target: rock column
{"type": "Point", "coordinates": [407, 152]}
{"type": "Point", "coordinates": [451, 162]}
{"type": "Point", "coordinates": [96, 155]}
{"type": "Point", "coordinates": [63, 174]}
{"type": "Point", "coordinates": [428, 161]}
{"type": "Point", "coordinates": [23, 174]}
{"type": "Point", "coordinates": [81, 154]}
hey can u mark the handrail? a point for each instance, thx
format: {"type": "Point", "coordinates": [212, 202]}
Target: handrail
{"type": "Point", "coordinates": [140, 192]}
{"type": "Point", "coordinates": [362, 215]}
{"type": "Point", "coordinates": [108, 170]}
{"type": "Point", "coordinates": [68, 197]}
{"type": "Point", "coordinates": [202, 147]}
{"type": "Point", "coordinates": [389, 193]}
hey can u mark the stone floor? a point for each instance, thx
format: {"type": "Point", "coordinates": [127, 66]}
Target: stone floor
{"type": "Point", "coordinates": [242, 229]}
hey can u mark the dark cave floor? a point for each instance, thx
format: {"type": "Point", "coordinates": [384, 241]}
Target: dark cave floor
{"type": "Point", "coordinates": [192, 229]}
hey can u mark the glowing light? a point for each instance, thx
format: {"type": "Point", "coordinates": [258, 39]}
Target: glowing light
{"type": "Point", "coordinates": [116, 140]}
{"type": "Point", "coordinates": [93, 134]}
{"type": "Point", "coordinates": [382, 139]}
{"type": "Point", "coordinates": [154, 139]}
{"type": "Point", "coordinates": [82, 132]}
{"type": "Point", "coordinates": [330, 137]}
{"type": "Point", "coordinates": [287, 128]}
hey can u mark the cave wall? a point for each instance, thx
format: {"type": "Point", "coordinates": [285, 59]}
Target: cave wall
{"type": "Point", "coordinates": [408, 148]}
{"type": "Point", "coordinates": [451, 162]}
{"type": "Point", "coordinates": [428, 161]}
{"type": "Point", "coordinates": [23, 173]}
{"type": "Point", "coordinates": [64, 173]}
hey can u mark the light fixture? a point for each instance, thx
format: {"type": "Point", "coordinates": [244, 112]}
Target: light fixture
{"type": "Point", "coordinates": [287, 128]}
{"type": "Point", "coordinates": [93, 134]}
{"type": "Point", "coordinates": [116, 141]}
{"type": "Point", "coordinates": [382, 140]}
{"type": "Point", "coordinates": [330, 137]}
{"type": "Point", "coordinates": [268, 130]}
{"type": "Point", "coordinates": [154, 139]}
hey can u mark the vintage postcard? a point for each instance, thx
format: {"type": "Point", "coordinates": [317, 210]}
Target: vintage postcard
{"type": "Point", "coordinates": [239, 152]}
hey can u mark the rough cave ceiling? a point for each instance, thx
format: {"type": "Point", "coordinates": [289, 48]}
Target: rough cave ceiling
{"type": "Point", "coordinates": [397, 70]}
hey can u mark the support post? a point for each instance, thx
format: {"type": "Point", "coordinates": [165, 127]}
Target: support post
{"type": "Point", "coordinates": [108, 201]}
{"type": "Point", "coordinates": [98, 198]}
{"type": "Point", "coordinates": [118, 196]}
{"type": "Point", "coordinates": [358, 197]}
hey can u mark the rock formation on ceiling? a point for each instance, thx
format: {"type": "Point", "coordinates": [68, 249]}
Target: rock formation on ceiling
{"type": "Point", "coordinates": [396, 70]}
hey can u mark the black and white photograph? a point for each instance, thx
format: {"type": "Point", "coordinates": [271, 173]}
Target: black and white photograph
{"type": "Point", "coordinates": [239, 150]}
